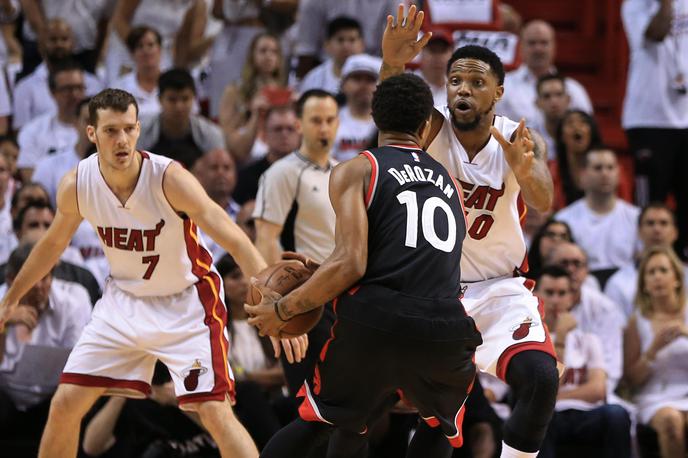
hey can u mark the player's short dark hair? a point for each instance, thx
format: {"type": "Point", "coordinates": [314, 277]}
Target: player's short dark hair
{"type": "Point", "coordinates": [550, 77]}
{"type": "Point", "coordinates": [137, 33]}
{"type": "Point", "coordinates": [317, 93]}
{"type": "Point", "coordinates": [63, 65]}
{"type": "Point", "coordinates": [480, 53]}
{"type": "Point", "coordinates": [402, 103]}
{"type": "Point", "coordinates": [554, 272]}
{"type": "Point", "coordinates": [343, 23]}
{"type": "Point", "coordinates": [32, 204]}
{"type": "Point", "coordinates": [176, 79]}
{"type": "Point", "coordinates": [110, 99]}
{"type": "Point", "coordinates": [656, 206]}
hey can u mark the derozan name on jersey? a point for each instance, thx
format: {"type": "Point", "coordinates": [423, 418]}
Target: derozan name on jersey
{"type": "Point", "coordinates": [415, 173]}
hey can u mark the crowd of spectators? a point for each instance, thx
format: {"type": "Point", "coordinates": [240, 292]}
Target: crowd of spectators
{"type": "Point", "coordinates": [217, 84]}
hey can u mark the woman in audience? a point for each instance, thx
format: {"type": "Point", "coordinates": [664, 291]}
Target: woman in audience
{"type": "Point", "coordinates": [145, 45]}
{"type": "Point", "coordinates": [243, 104]}
{"type": "Point", "coordinates": [656, 349]}
{"type": "Point", "coordinates": [545, 239]}
{"type": "Point", "coordinates": [577, 134]}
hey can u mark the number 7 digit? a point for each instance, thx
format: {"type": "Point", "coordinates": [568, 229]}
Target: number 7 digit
{"type": "Point", "coordinates": [152, 261]}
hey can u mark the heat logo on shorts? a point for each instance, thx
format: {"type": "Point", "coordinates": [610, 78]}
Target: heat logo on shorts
{"type": "Point", "coordinates": [191, 375]}
{"type": "Point", "coordinates": [522, 330]}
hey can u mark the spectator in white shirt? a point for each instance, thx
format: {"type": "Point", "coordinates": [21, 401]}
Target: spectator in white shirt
{"type": "Point", "coordinates": [553, 102]}
{"type": "Point", "coordinates": [32, 95]}
{"type": "Point", "coordinates": [602, 224]}
{"type": "Point", "coordinates": [145, 46]}
{"type": "Point", "coordinates": [433, 64]}
{"type": "Point", "coordinates": [356, 127]}
{"type": "Point", "coordinates": [5, 216]}
{"type": "Point", "coordinates": [344, 39]}
{"type": "Point", "coordinates": [581, 415]}
{"type": "Point", "coordinates": [594, 312]}
{"type": "Point", "coordinates": [656, 227]}
{"type": "Point", "coordinates": [655, 112]}
{"type": "Point", "coordinates": [53, 133]}
{"type": "Point", "coordinates": [52, 314]}
{"type": "Point", "coordinates": [538, 48]}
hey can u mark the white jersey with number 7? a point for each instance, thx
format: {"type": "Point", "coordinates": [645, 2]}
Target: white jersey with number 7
{"type": "Point", "coordinates": [152, 250]}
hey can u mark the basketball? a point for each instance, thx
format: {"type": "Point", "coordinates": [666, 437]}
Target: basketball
{"type": "Point", "coordinates": [283, 277]}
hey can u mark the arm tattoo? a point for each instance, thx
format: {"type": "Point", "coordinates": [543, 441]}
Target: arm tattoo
{"type": "Point", "coordinates": [286, 312]}
{"type": "Point", "coordinates": [540, 147]}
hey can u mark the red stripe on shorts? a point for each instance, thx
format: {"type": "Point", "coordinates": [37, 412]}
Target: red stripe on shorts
{"type": "Point", "coordinates": [209, 290]}
{"type": "Point", "coordinates": [104, 382]}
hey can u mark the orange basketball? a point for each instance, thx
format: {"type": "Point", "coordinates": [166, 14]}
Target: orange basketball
{"type": "Point", "coordinates": [283, 277]}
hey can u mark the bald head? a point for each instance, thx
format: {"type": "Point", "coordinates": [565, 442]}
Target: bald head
{"type": "Point", "coordinates": [58, 40]}
{"type": "Point", "coordinates": [538, 46]}
{"type": "Point", "coordinates": [216, 171]}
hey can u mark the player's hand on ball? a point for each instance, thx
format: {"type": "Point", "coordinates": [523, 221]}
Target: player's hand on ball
{"type": "Point", "coordinates": [519, 154]}
{"type": "Point", "coordinates": [294, 348]}
{"type": "Point", "coordinates": [263, 315]}
{"type": "Point", "coordinates": [308, 262]}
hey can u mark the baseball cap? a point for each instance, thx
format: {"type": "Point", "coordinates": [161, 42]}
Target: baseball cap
{"type": "Point", "coordinates": [361, 63]}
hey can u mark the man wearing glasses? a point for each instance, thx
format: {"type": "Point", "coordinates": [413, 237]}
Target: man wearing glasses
{"type": "Point", "coordinates": [53, 132]}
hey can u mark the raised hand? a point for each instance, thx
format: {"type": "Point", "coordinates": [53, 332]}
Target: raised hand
{"type": "Point", "coordinates": [400, 42]}
{"type": "Point", "coordinates": [519, 153]}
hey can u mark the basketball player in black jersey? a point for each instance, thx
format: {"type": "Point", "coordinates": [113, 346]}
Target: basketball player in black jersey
{"type": "Point", "coordinates": [394, 281]}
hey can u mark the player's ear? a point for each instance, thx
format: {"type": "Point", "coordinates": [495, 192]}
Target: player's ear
{"type": "Point", "coordinates": [424, 130]}
{"type": "Point", "coordinates": [499, 93]}
{"type": "Point", "coordinates": [91, 133]}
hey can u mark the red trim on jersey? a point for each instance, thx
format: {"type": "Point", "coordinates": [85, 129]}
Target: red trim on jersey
{"type": "Point", "coordinates": [522, 212]}
{"type": "Point", "coordinates": [308, 410]}
{"type": "Point", "coordinates": [457, 441]}
{"type": "Point", "coordinates": [432, 422]}
{"type": "Point", "coordinates": [144, 154]}
{"type": "Point", "coordinates": [529, 283]}
{"type": "Point", "coordinates": [513, 350]}
{"type": "Point", "coordinates": [104, 382]}
{"type": "Point", "coordinates": [209, 289]}
{"type": "Point", "coordinates": [373, 177]}
{"type": "Point", "coordinates": [323, 351]}
{"type": "Point", "coordinates": [459, 189]}
{"type": "Point", "coordinates": [201, 260]}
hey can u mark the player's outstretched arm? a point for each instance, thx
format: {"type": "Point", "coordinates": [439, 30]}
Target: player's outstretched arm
{"type": "Point", "coordinates": [343, 268]}
{"type": "Point", "coordinates": [400, 42]}
{"type": "Point", "coordinates": [48, 249]}
{"type": "Point", "coordinates": [186, 195]}
{"type": "Point", "coordinates": [526, 154]}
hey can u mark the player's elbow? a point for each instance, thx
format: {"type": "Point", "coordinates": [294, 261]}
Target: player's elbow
{"type": "Point", "coordinates": [353, 264]}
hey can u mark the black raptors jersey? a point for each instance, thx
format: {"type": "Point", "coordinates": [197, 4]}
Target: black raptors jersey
{"type": "Point", "coordinates": [416, 224]}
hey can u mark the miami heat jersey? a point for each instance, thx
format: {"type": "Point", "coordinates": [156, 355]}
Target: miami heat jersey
{"type": "Point", "coordinates": [415, 224]}
{"type": "Point", "coordinates": [494, 244]}
{"type": "Point", "coordinates": [152, 250]}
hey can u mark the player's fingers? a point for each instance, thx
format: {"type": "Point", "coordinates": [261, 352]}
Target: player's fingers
{"type": "Point", "coordinates": [400, 15]}
{"type": "Point", "coordinates": [298, 349]}
{"type": "Point", "coordinates": [304, 339]}
{"type": "Point", "coordinates": [276, 346]}
{"type": "Point", "coordinates": [288, 351]}
{"type": "Point", "coordinates": [424, 40]}
{"type": "Point", "coordinates": [499, 137]}
{"type": "Point", "coordinates": [390, 22]}
{"type": "Point", "coordinates": [418, 23]}
{"type": "Point", "coordinates": [254, 321]}
{"type": "Point", "coordinates": [411, 17]}
{"type": "Point", "coordinates": [521, 127]}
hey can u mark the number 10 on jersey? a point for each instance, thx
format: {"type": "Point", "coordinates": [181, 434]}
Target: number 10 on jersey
{"type": "Point", "coordinates": [427, 216]}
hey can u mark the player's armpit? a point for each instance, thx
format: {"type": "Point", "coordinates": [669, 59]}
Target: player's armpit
{"type": "Point", "coordinates": [347, 263]}
{"type": "Point", "coordinates": [186, 196]}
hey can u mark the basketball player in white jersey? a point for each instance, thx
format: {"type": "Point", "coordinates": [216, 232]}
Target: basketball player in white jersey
{"type": "Point", "coordinates": [497, 176]}
{"type": "Point", "coordinates": [162, 300]}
